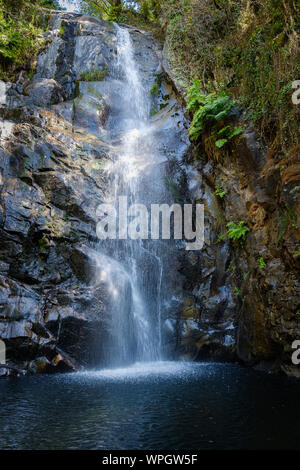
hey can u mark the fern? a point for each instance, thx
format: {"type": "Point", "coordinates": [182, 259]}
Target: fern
{"type": "Point", "coordinates": [206, 108]}
{"type": "Point", "coordinates": [227, 133]}
{"type": "Point", "coordinates": [237, 232]}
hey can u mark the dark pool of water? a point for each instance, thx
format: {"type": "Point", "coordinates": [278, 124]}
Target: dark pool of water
{"type": "Point", "coordinates": [161, 406]}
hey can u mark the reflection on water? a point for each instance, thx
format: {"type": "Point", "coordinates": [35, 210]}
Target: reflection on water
{"type": "Point", "coordinates": [158, 406]}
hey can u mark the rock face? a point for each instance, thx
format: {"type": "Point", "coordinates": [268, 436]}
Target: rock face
{"type": "Point", "coordinates": [244, 298]}
{"type": "Point", "coordinates": [51, 184]}
{"type": "Point", "coordinates": [54, 145]}
{"type": "Point", "coordinates": [239, 302]}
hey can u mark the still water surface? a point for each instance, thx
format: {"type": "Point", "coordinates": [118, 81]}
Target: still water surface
{"type": "Point", "coordinates": [161, 406]}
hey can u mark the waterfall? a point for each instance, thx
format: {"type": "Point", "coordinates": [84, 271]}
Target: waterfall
{"type": "Point", "coordinates": [130, 269]}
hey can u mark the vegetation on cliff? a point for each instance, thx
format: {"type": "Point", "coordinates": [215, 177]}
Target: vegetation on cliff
{"type": "Point", "coordinates": [21, 34]}
{"type": "Point", "coordinates": [248, 48]}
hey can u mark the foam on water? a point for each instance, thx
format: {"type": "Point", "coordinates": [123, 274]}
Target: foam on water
{"type": "Point", "coordinates": [141, 371]}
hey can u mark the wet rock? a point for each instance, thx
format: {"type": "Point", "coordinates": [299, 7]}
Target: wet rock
{"type": "Point", "coordinates": [51, 158]}
{"type": "Point", "coordinates": [45, 91]}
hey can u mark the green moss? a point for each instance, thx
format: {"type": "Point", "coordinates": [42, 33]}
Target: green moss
{"type": "Point", "coordinates": [43, 245]}
{"type": "Point", "coordinates": [153, 112]}
{"type": "Point", "coordinates": [62, 30]}
{"type": "Point", "coordinates": [94, 75]}
{"type": "Point", "coordinates": [154, 90]}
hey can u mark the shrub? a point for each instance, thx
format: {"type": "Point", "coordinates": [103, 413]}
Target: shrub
{"type": "Point", "coordinates": [21, 35]}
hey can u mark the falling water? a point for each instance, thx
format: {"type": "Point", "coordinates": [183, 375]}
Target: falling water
{"type": "Point", "coordinates": [130, 269]}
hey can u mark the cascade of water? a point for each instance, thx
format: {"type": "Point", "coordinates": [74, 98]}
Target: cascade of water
{"type": "Point", "coordinates": [134, 275]}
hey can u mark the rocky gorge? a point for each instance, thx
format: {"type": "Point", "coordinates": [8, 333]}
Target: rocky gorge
{"type": "Point", "coordinates": [228, 302]}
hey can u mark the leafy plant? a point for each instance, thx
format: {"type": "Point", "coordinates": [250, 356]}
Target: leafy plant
{"type": "Point", "coordinates": [219, 192]}
{"type": "Point", "coordinates": [206, 109]}
{"type": "Point", "coordinates": [236, 292]}
{"type": "Point", "coordinates": [232, 267]}
{"type": "Point", "coordinates": [227, 133]}
{"type": "Point", "coordinates": [261, 263]}
{"type": "Point", "coordinates": [237, 232]}
{"type": "Point", "coordinates": [297, 252]}
{"type": "Point", "coordinates": [221, 238]}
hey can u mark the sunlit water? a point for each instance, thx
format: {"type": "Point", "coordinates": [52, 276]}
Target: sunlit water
{"type": "Point", "coordinates": [162, 406]}
{"type": "Point", "coordinates": [70, 5]}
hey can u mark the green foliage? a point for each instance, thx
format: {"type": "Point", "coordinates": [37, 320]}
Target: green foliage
{"type": "Point", "coordinates": [21, 35]}
{"type": "Point", "coordinates": [153, 112]}
{"type": "Point", "coordinates": [206, 109]}
{"type": "Point", "coordinates": [219, 192]}
{"type": "Point", "coordinates": [97, 165]}
{"type": "Point", "coordinates": [227, 133]}
{"type": "Point", "coordinates": [237, 292]}
{"type": "Point", "coordinates": [62, 30]}
{"type": "Point", "coordinates": [143, 13]}
{"type": "Point", "coordinates": [261, 263]}
{"type": "Point", "coordinates": [154, 90]}
{"type": "Point", "coordinates": [248, 48]}
{"type": "Point", "coordinates": [297, 252]}
{"type": "Point", "coordinates": [93, 75]}
{"type": "Point", "coordinates": [221, 238]}
{"type": "Point", "coordinates": [50, 4]}
{"type": "Point", "coordinates": [43, 244]}
{"type": "Point", "coordinates": [237, 232]}
{"type": "Point", "coordinates": [232, 267]}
